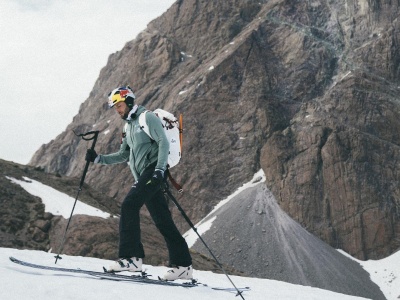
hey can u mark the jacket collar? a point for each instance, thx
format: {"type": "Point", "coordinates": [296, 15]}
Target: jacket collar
{"type": "Point", "coordinates": [132, 113]}
{"type": "Point", "coordinates": [135, 112]}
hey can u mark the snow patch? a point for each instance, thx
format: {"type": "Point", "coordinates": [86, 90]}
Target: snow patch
{"type": "Point", "coordinates": [185, 54]}
{"type": "Point", "coordinates": [192, 238]}
{"type": "Point", "coordinates": [56, 202]}
{"type": "Point", "coordinates": [384, 272]}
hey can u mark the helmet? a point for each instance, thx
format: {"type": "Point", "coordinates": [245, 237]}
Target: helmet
{"type": "Point", "coordinates": [124, 93]}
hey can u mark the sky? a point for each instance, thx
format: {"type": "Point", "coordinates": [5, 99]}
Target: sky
{"type": "Point", "coordinates": [51, 54]}
{"type": "Point", "coordinates": [16, 280]}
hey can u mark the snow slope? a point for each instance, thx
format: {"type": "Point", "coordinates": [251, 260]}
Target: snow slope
{"type": "Point", "coordinates": [384, 272]}
{"type": "Point", "coordinates": [23, 283]}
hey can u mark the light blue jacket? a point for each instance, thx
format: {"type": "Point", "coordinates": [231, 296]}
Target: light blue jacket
{"type": "Point", "coordinates": [138, 148]}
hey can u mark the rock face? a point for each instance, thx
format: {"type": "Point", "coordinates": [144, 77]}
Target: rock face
{"type": "Point", "coordinates": [307, 90]}
{"type": "Point", "coordinates": [24, 224]}
{"type": "Point", "coordinates": [334, 166]}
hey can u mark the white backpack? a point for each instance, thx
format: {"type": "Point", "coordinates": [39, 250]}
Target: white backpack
{"type": "Point", "coordinates": [173, 130]}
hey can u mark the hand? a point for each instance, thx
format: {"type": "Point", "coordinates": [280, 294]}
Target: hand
{"type": "Point", "coordinates": [158, 177]}
{"type": "Point", "coordinates": [90, 155]}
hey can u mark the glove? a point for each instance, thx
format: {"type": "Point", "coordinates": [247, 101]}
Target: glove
{"type": "Point", "coordinates": [158, 177]}
{"type": "Point", "coordinates": [90, 155]}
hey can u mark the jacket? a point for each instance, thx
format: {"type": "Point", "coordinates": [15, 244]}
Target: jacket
{"type": "Point", "coordinates": [138, 148]}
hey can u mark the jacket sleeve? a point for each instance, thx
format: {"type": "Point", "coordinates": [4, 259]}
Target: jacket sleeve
{"type": "Point", "coordinates": [158, 135]}
{"type": "Point", "coordinates": [118, 157]}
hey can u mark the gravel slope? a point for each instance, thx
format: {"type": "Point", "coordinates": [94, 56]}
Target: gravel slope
{"type": "Point", "coordinates": [252, 234]}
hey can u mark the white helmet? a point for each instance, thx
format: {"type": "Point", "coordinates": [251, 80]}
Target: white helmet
{"type": "Point", "coordinates": [124, 93]}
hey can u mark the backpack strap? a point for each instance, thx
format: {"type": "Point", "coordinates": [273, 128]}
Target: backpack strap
{"type": "Point", "coordinates": [143, 124]}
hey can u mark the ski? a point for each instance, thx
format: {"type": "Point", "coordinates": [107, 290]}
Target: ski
{"type": "Point", "coordinates": [143, 278]}
{"type": "Point", "coordinates": [233, 290]}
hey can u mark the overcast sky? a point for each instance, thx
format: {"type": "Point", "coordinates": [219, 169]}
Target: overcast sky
{"type": "Point", "coordinates": [51, 53]}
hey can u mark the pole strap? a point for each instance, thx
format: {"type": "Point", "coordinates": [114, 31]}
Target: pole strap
{"type": "Point", "coordinates": [176, 185]}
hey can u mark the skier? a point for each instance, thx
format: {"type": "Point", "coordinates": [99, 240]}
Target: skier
{"type": "Point", "coordinates": [148, 161]}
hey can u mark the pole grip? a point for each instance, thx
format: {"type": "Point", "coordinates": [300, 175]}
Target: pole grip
{"type": "Point", "coordinates": [94, 138]}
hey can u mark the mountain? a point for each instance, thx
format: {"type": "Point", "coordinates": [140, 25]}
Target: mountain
{"type": "Point", "coordinates": [306, 90]}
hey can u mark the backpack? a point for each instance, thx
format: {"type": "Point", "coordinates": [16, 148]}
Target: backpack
{"type": "Point", "coordinates": [173, 130]}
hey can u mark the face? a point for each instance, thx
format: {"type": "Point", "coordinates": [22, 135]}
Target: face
{"type": "Point", "coordinates": [122, 109]}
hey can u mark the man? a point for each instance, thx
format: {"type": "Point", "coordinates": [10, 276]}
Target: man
{"type": "Point", "coordinates": [148, 161]}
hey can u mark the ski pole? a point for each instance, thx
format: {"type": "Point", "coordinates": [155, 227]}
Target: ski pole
{"type": "Point", "coordinates": [94, 135]}
{"type": "Point", "coordinates": [171, 197]}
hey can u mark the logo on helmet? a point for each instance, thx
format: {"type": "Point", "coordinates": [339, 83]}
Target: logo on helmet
{"type": "Point", "coordinates": [123, 93]}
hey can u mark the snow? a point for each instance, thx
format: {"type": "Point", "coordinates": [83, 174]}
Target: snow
{"type": "Point", "coordinates": [20, 282]}
{"type": "Point", "coordinates": [384, 272]}
{"type": "Point", "coordinates": [191, 237]}
{"type": "Point", "coordinates": [55, 202]}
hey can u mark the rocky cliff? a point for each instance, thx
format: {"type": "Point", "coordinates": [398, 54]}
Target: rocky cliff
{"type": "Point", "coordinates": [307, 90]}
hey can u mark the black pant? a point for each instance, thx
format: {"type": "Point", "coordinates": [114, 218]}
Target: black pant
{"type": "Point", "coordinates": [130, 245]}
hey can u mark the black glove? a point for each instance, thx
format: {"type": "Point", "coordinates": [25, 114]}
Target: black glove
{"type": "Point", "coordinates": [90, 155]}
{"type": "Point", "coordinates": [158, 177]}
